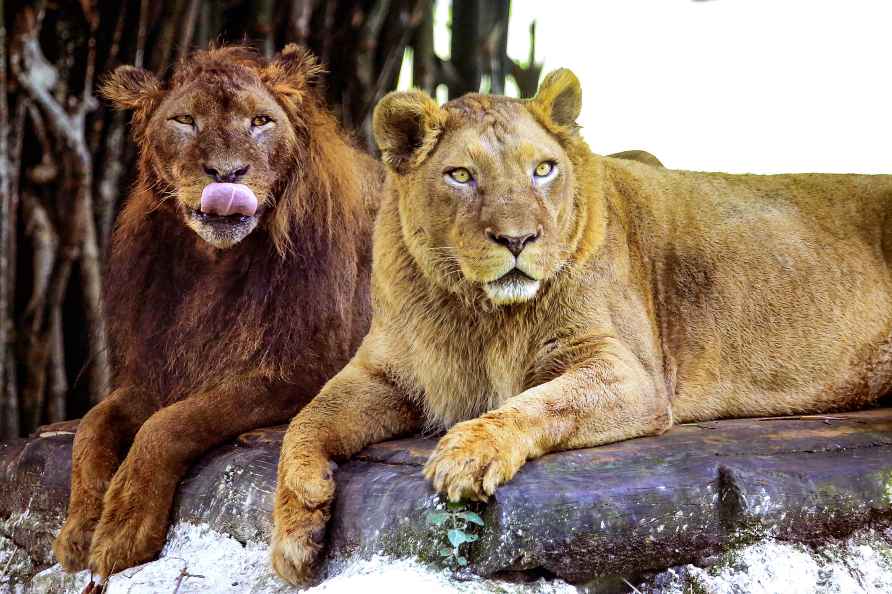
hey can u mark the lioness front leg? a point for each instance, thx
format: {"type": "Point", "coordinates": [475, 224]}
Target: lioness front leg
{"type": "Point", "coordinates": [100, 444]}
{"type": "Point", "coordinates": [355, 408]}
{"type": "Point", "coordinates": [607, 398]}
{"type": "Point", "coordinates": [137, 504]}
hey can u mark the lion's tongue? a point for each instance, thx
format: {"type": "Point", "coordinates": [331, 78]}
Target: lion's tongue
{"type": "Point", "coordinates": [227, 199]}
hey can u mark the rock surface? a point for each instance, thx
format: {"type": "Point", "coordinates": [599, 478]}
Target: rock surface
{"type": "Point", "coordinates": [596, 516]}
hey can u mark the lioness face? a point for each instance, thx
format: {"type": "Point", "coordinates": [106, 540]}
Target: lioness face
{"type": "Point", "coordinates": [486, 190]}
{"type": "Point", "coordinates": [216, 146]}
{"type": "Point", "coordinates": [221, 138]}
{"type": "Point", "coordinates": [494, 199]}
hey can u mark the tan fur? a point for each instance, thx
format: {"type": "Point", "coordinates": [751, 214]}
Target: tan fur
{"type": "Point", "coordinates": [650, 296]}
{"type": "Point", "coordinates": [638, 155]}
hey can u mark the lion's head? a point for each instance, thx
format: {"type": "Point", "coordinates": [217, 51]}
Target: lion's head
{"type": "Point", "coordinates": [486, 185]}
{"type": "Point", "coordinates": [224, 137]}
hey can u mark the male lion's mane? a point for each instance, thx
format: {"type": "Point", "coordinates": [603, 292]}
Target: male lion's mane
{"type": "Point", "coordinates": [287, 304]}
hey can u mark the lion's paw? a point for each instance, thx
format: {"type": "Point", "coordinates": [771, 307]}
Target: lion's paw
{"type": "Point", "coordinates": [72, 546]}
{"type": "Point", "coordinates": [471, 460]}
{"type": "Point", "coordinates": [118, 545]}
{"type": "Point", "coordinates": [132, 527]}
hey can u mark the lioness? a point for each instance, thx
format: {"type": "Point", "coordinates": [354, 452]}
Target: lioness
{"type": "Point", "coordinates": [237, 284]}
{"type": "Point", "coordinates": [530, 296]}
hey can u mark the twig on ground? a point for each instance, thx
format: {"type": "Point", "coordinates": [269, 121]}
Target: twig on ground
{"type": "Point", "coordinates": [9, 561]}
{"type": "Point", "coordinates": [184, 573]}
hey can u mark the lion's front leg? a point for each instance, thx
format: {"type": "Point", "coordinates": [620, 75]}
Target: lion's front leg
{"type": "Point", "coordinates": [357, 407]}
{"type": "Point", "coordinates": [137, 505]}
{"type": "Point", "coordinates": [607, 398]}
{"type": "Point", "coordinates": [102, 438]}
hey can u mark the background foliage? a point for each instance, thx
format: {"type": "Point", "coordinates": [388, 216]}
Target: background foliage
{"type": "Point", "coordinates": [66, 160]}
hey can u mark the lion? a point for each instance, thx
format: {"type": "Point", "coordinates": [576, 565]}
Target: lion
{"type": "Point", "coordinates": [530, 296]}
{"type": "Point", "coordinates": [238, 283]}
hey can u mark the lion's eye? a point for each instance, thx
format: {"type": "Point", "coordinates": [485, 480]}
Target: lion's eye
{"type": "Point", "coordinates": [260, 120]}
{"type": "Point", "coordinates": [544, 168]}
{"type": "Point", "coordinates": [184, 119]}
{"type": "Point", "coordinates": [460, 175]}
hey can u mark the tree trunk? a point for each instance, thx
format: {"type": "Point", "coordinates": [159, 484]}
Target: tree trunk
{"type": "Point", "coordinates": [6, 222]}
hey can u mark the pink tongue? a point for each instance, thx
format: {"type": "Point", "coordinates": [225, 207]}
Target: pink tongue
{"type": "Point", "coordinates": [227, 199]}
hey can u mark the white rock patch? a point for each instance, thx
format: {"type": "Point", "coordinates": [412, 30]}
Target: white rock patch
{"type": "Point", "coordinates": [862, 564]}
{"type": "Point", "coordinates": [203, 560]}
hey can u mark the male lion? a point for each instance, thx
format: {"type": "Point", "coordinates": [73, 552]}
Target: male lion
{"type": "Point", "coordinates": [531, 297]}
{"type": "Point", "coordinates": [237, 284]}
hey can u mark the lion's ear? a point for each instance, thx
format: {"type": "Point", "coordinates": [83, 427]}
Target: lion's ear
{"type": "Point", "coordinates": [406, 127]}
{"type": "Point", "coordinates": [128, 87]}
{"type": "Point", "coordinates": [292, 72]}
{"type": "Point", "coordinates": [560, 97]}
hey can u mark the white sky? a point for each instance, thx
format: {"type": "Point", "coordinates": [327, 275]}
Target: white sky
{"type": "Point", "coordinates": [758, 86]}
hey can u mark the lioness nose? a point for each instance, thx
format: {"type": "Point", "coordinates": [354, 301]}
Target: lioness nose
{"type": "Point", "coordinates": [514, 243]}
{"type": "Point", "coordinates": [231, 176]}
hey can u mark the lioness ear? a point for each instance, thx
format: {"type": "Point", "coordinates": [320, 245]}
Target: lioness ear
{"type": "Point", "coordinates": [406, 127]}
{"type": "Point", "coordinates": [292, 72]}
{"type": "Point", "coordinates": [560, 97]}
{"type": "Point", "coordinates": [128, 87]}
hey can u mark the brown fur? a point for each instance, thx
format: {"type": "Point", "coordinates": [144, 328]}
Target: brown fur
{"type": "Point", "coordinates": [208, 343]}
{"type": "Point", "coordinates": [662, 296]}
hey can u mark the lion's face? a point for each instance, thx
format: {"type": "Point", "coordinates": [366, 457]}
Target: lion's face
{"type": "Point", "coordinates": [220, 150]}
{"type": "Point", "coordinates": [218, 139]}
{"type": "Point", "coordinates": [490, 203]}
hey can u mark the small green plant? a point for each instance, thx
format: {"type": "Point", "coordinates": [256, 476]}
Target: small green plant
{"type": "Point", "coordinates": [456, 519]}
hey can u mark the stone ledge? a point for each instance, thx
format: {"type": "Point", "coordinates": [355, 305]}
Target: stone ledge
{"type": "Point", "coordinates": [626, 509]}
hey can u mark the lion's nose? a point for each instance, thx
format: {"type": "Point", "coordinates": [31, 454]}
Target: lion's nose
{"type": "Point", "coordinates": [231, 175]}
{"type": "Point", "coordinates": [514, 243]}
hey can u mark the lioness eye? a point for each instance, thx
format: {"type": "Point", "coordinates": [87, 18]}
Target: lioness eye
{"type": "Point", "coordinates": [184, 119]}
{"type": "Point", "coordinates": [261, 120]}
{"type": "Point", "coordinates": [544, 168]}
{"type": "Point", "coordinates": [461, 175]}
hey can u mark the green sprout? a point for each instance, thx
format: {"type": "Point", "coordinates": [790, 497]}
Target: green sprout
{"type": "Point", "coordinates": [456, 519]}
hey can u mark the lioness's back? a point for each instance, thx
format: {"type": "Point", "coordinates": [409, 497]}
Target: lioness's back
{"type": "Point", "coordinates": [774, 287]}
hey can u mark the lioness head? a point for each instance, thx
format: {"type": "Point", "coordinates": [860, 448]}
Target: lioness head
{"type": "Point", "coordinates": [486, 189]}
{"type": "Point", "coordinates": [222, 137]}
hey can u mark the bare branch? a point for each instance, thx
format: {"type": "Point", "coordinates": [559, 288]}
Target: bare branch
{"type": "Point", "coordinates": [139, 59]}
{"type": "Point", "coordinates": [264, 26]}
{"type": "Point", "coordinates": [6, 222]}
{"type": "Point", "coordinates": [57, 388]}
{"type": "Point", "coordinates": [301, 13]}
{"type": "Point", "coordinates": [527, 77]}
{"type": "Point", "coordinates": [34, 74]}
{"type": "Point", "coordinates": [188, 29]}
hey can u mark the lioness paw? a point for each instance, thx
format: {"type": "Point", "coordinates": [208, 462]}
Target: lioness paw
{"type": "Point", "coordinates": [471, 460]}
{"type": "Point", "coordinates": [298, 534]}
